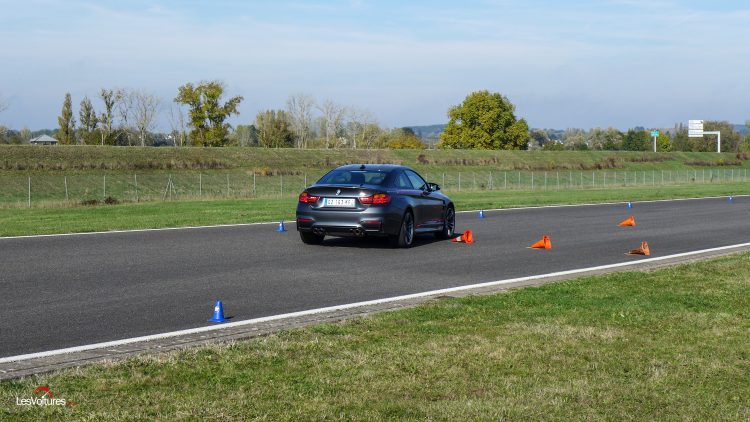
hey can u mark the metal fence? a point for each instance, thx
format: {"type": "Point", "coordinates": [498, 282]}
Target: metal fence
{"type": "Point", "coordinates": [44, 190]}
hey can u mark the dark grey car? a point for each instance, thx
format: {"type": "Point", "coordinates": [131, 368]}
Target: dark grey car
{"type": "Point", "coordinates": [374, 200]}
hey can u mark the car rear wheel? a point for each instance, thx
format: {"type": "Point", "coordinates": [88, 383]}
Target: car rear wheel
{"type": "Point", "coordinates": [449, 227]}
{"type": "Point", "coordinates": [405, 236]}
{"type": "Point", "coordinates": [311, 238]}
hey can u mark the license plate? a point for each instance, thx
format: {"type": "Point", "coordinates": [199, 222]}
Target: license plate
{"type": "Point", "coordinates": [340, 202]}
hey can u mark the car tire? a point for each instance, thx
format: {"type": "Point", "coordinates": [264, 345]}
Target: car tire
{"type": "Point", "coordinates": [449, 227]}
{"type": "Point", "coordinates": [311, 238]}
{"type": "Point", "coordinates": [405, 237]}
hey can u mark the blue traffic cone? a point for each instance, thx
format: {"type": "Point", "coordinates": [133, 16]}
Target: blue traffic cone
{"type": "Point", "coordinates": [281, 228]}
{"type": "Point", "coordinates": [731, 199]}
{"type": "Point", "coordinates": [630, 204]}
{"type": "Point", "coordinates": [481, 213]}
{"type": "Point", "coordinates": [218, 313]}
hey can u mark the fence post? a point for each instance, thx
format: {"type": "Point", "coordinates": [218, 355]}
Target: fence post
{"type": "Point", "coordinates": [545, 180]}
{"type": "Point", "coordinates": [581, 180]}
{"type": "Point", "coordinates": [282, 185]}
{"type": "Point", "coordinates": [135, 176]}
{"type": "Point", "coordinates": [505, 180]}
{"type": "Point", "coordinates": [66, 188]}
{"type": "Point", "coordinates": [227, 185]}
{"type": "Point", "coordinates": [489, 182]}
{"type": "Point", "coordinates": [254, 193]}
{"type": "Point", "coordinates": [105, 186]}
{"type": "Point", "coordinates": [200, 185]}
{"type": "Point", "coordinates": [474, 180]}
{"type": "Point", "coordinates": [443, 184]}
{"type": "Point", "coordinates": [305, 181]}
{"type": "Point", "coordinates": [532, 180]}
{"type": "Point", "coordinates": [593, 179]}
{"type": "Point", "coordinates": [558, 180]}
{"type": "Point", "coordinates": [459, 181]}
{"type": "Point", "coordinates": [519, 180]}
{"type": "Point", "coordinates": [29, 191]}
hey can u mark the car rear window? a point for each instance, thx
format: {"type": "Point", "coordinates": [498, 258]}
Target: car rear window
{"type": "Point", "coordinates": [353, 177]}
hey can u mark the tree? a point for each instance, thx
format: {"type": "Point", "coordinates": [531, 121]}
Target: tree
{"type": "Point", "coordinates": [145, 109]}
{"type": "Point", "coordinates": [730, 139]}
{"type": "Point", "coordinates": [537, 138]}
{"type": "Point", "coordinates": [245, 136]}
{"type": "Point", "coordinates": [178, 123]}
{"type": "Point", "coordinates": [87, 122]}
{"type": "Point", "coordinates": [110, 99]}
{"type": "Point", "coordinates": [332, 115]}
{"type": "Point", "coordinates": [274, 129]}
{"type": "Point", "coordinates": [636, 140]}
{"type": "Point", "coordinates": [612, 139]}
{"type": "Point", "coordinates": [66, 134]}
{"type": "Point", "coordinates": [125, 107]}
{"type": "Point", "coordinates": [663, 142]}
{"type": "Point", "coordinates": [484, 121]}
{"type": "Point", "coordinates": [680, 140]}
{"type": "Point", "coordinates": [299, 108]}
{"type": "Point", "coordinates": [24, 135]}
{"type": "Point", "coordinates": [404, 138]}
{"type": "Point", "coordinates": [206, 112]}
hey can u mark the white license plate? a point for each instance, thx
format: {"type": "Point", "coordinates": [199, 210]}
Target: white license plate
{"type": "Point", "coordinates": [340, 202]}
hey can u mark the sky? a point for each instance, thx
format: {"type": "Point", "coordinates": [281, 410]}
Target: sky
{"type": "Point", "coordinates": [577, 63]}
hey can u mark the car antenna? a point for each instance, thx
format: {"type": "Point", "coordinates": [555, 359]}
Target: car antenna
{"type": "Point", "coordinates": [362, 167]}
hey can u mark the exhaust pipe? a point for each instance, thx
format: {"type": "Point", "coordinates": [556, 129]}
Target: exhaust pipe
{"type": "Point", "coordinates": [319, 231]}
{"type": "Point", "coordinates": [358, 232]}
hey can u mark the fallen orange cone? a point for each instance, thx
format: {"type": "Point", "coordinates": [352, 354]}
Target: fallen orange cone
{"type": "Point", "coordinates": [544, 243]}
{"type": "Point", "coordinates": [643, 250]}
{"type": "Point", "coordinates": [628, 222]}
{"type": "Point", "coordinates": [466, 237]}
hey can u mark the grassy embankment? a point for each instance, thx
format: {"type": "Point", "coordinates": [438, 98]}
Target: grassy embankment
{"type": "Point", "coordinates": [671, 344]}
{"type": "Point", "coordinates": [214, 186]}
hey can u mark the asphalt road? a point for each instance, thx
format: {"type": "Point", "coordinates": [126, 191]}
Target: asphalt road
{"type": "Point", "coordinates": [65, 291]}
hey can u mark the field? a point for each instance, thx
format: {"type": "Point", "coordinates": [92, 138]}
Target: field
{"type": "Point", "coordinates": [48, 220]}
{"type": "Point", "coordinates": [670, 344]}
{"type": "Point", "coordinates": [70, 176]}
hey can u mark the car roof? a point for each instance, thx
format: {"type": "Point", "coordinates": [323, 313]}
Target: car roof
{"type": "Point", "coordinates": [380, 167]}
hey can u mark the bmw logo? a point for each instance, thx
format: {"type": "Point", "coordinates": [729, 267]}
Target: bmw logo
{"type": "Point", "coordinates": [338, 191]}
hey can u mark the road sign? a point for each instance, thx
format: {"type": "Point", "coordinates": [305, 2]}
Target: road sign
{"type": "Point", "coordinates": [695, 128]}
{"type": "Point", "coordinates": [654, 133]}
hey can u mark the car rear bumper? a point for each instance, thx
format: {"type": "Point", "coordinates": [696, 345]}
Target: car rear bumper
{"type": "Point", "coordinates": [371, 222]}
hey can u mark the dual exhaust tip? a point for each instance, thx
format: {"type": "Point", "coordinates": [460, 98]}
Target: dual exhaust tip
{"type": "Point", "coordinates": [358, 232]}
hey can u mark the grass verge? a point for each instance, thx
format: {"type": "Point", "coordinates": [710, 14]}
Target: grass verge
{"type": "Point", "coordinates": [670, 344]}
{"type": "Point", "coordinates": [18, 221]}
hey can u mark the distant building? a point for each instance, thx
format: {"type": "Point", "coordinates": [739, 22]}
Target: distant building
{"type": "Point", "coordinates": [43, 140]}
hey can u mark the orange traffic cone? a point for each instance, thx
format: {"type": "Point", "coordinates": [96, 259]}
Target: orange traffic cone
{"type": "Point", "coordinates": [628, 222]}
{"type": "Point", "coordinates": [466, 237]}
{"type": "Point", "coordinates": [643, 250]}
{"type": "Point", "coordinates": [544, 243]}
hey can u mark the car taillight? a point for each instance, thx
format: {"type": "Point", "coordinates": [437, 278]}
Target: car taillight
{"type": "Point", "coordinates": [306, 198]}
{"type": "Point", "coordinates": [377, 199]}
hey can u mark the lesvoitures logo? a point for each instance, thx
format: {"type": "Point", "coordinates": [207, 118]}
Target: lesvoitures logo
{"type": "Point", "coordinates": [43, 396]}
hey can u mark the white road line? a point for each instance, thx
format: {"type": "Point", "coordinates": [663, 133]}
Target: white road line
{"type": "Point", "coordinates": [116, 343]}
{"type": "Point", "coordinates": [604, 203]}
{"type": "Point", "coordinates": [292, 221]}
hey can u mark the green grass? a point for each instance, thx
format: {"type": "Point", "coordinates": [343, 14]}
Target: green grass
{"type": "Point", "coordinates": [22, 221]}
{"type": "Point", "coordinates": [72, 159]}
{"type": "Point", "coordinates": [671, 344]}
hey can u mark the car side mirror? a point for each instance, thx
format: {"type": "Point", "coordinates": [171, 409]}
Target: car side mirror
{"type": "Point", "coordinates": [432, 187]}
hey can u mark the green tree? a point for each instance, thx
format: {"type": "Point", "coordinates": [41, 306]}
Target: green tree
{"type": "Point", "coordinates": [404, 138]}
{"type": "Point", "coordinates": [274, 129]}
{"type": "Point", "coordinates": [87, 122]}
{"type": "Point", "coordinates": [612, 139]}
{"type": "Point", "coordinates": [636, 140]}
{"type": "Point", "coordinates": [730, 139]}
{"type": "Point", "coordinates": [207, 114]}
{"type": "Point", "coordinates": [484, 120]}
{"type": "Point", "coordinates": [66, 134]}
{"type": "Point", "coordinates": [663, 142]}
{"type": "Point", "coordinates": [680, 140]}
{"type": "Point", "coordinates": [110, 99]}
